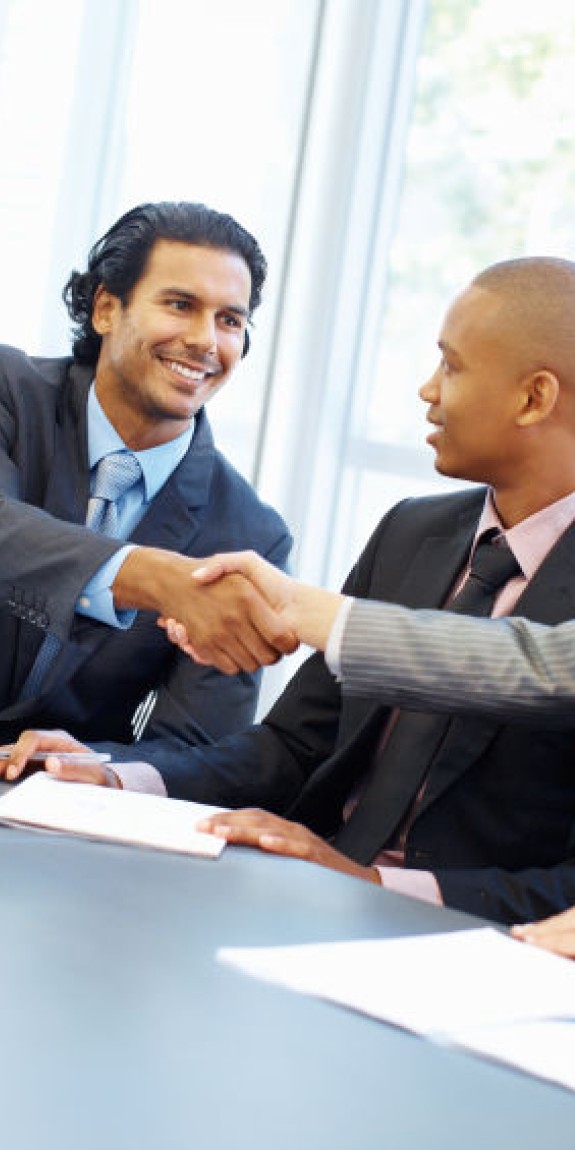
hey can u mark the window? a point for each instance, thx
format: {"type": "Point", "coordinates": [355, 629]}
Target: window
{"type": "Point", "coordinates": [489, 168]}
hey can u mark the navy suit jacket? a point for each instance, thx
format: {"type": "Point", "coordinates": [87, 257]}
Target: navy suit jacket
{"type": "Point", "coordinates": [496, 823]}
{"type": "Point", "coordinates": [102, 673]}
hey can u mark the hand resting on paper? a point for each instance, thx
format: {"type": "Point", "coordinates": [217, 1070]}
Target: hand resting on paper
{"type": "Point", "coordinates": [256, 828]}
{"type": "Point", "coordinates": [556, 933]}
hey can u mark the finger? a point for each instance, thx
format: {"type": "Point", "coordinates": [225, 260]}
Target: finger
{"type": "Point", "coordinates": [289, 846]}
{"type": "Point", "coordinates": [98, 775]}
{"type": "Point", "coordinates": [31, 743]}
{"type": "Point", "coordinates": [245, 651]}
{"type": "Point", "coordinates": [260, 638]}
{"type": "Point", "coordinates": [269, 630]}
{"type": "Point", "coordinates": [177, 634]}
{"type": "Point", "coordinates": [520, 930]}
{"type": "Point", "coordinates": [250, 836]}
{"type": "Point", "coordinates": [547, 928]}
{"type": "Point", "coordinates": [246, 816]}
{"type": "Point", "coordinates": [546, 934]}
{"type": "Point", "coordinates": [562, 944]}
{"type": "Point", "coordinates": [211, 570]}
{"type": "Point", "coordinates": [267, 578]}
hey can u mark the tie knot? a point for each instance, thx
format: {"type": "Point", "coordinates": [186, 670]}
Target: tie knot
{"type": "Point", "coordinates": [115, 474]}
{"type": "Point", "coordinates": [493, 564]}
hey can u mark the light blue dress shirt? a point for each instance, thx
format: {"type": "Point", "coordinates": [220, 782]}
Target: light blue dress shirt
{"type": "Point", "coordinates": [157, 465]}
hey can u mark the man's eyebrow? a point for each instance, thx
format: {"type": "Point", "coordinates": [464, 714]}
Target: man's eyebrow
{"type": "Point", "coordinates": [193, 298]}
{"type": "Point", "coordinates": [444, 346]}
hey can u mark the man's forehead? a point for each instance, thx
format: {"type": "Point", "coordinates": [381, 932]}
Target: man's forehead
{"type": "Point", "coordinates": [475, 312]}
{"type": "Point", "coordinates": [166, 251]}
{"type": "Point", "coordinates": [176, 261]}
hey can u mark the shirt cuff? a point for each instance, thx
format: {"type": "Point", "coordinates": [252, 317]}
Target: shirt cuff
{"type": "Point", "coordinates": [97, 600]}
{"type": "Point", "coordinates": [420, 884]}
{"type": "Point", "coordinates": [335, 637]}
{"type": "Point", "coordinates": [140, 777]}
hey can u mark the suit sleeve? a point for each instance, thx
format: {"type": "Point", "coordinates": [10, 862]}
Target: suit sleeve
{"type": "Point", "coordinates": [45, 564]}
{"type": "Point", "coordinates": [507, 668]}
{"type": "Point", "coordinates": [45, 561]}
{"type": "Point", "coordinates": [264, 765]}
{"type": "Point", "coordinates": [509, 896]}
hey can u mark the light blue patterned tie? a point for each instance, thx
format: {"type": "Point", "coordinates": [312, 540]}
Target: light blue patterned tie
{"type": "Point", "coordinates": [116, 474]}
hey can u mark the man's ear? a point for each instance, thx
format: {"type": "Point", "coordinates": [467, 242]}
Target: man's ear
{"type": "Point", "coordinates": [540, 393]}
{"type": "Point", "coordinates": [103, 309]}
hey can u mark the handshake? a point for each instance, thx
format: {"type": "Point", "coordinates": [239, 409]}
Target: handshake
{"type": "Point", "coordinates": [233, 611]}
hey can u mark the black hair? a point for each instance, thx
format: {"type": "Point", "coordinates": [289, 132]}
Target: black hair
{"type": "Point", "coordinates": [118, 259]}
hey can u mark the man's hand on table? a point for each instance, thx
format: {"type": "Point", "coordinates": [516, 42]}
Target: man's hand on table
{"type": "Point", "coordinates": [85, 767]}
{"type": "Point", "coordinates": [268, 832]}
{"type": "Point", "coordinates": [556, 933]}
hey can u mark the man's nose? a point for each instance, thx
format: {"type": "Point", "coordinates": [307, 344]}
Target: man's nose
{"type": "Point", "coordinates": [429, 391]}
{"type": "Point", "coordinates": [201, 331]}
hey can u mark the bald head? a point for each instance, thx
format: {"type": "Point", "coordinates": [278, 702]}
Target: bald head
{"type": "Point", "coordinates": [502, 399]}
{"type": "Point", "coordinates": [537, 296]}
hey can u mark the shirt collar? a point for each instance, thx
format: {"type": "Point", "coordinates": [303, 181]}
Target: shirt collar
{"type": "Point", "coordinates": [532, 539]}
{"type": "Point", "coordinates": [157, 463]}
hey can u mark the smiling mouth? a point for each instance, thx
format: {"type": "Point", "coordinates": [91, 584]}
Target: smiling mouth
{"type": "Point", "coordinates": [190, 374]}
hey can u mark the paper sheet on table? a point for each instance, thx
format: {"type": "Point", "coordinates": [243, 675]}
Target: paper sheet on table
{"type": "Point", "coordinates": [478, 989]}
{"type": "Point", "coordinates": [115, 815]}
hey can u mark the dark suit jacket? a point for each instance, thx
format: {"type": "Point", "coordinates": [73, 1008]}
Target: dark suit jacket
{"type": "Point", "coordinates": [496, 823]}
{"type": "Point", "coordinates": [102, 673]}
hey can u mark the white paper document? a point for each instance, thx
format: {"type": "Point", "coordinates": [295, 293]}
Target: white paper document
{"type": "Point", "coordinates": [479, 989]}
{"type": "Point", "coordinates": [116, 815]}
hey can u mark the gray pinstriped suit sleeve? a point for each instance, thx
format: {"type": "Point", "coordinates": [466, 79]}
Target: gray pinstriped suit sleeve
{"type": "Point", "coordinates": [431, 660]}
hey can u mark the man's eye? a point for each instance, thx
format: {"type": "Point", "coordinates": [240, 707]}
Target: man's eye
{"type": "Point", "coordinates": [232, 321]}
{"type": "Point", "coordinates": [178, 304]}
{"type": "Point", "coordinates": [446, 367]}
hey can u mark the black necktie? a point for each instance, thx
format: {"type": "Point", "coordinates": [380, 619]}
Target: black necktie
{"type": "Point", "coordinates": [418, 739]}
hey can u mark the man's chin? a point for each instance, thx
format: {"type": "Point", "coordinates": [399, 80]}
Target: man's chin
{"type": "Point", "coordinates": [449, 470]}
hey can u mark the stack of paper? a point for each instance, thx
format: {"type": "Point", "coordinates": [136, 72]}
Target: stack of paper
{"type": "Point", "coordinates": [479, 989]}
{"type": "Point", "coordinates": [102, 813]}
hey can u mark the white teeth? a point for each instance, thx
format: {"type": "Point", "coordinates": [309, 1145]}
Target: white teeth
{"type": "Point", "coordinates": [187, 372]}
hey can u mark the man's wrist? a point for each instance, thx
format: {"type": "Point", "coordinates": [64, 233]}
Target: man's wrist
{"type": "Point", "coordinates": [114, 780]}
{"type": "Point", "coordinates": [146, 580]}
{"type": "Point", "coordinates": [315, 612]}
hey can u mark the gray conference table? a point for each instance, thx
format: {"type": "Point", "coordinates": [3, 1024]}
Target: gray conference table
{"type": "Point", "coordinates": [120, 1030]}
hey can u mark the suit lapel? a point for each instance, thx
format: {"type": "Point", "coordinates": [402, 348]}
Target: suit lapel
{"type": "Point", "coordinates": [427, 582]}
{"type": "Point", "coordinates": [549, 598]}
{"type": "Point", "coordinates": [174, 516]}
{"type": "Point", "coordinates": [67, 485]}
{"type": "Point", "coordinates": [429, 577]}
{"type": "Point", "coordinates": [437, 562]}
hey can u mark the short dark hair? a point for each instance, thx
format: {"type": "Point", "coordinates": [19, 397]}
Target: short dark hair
{"type": "Point", "coordinates": [118, 259]}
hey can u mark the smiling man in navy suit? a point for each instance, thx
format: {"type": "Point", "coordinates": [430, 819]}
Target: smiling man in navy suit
{"type": "Point", "coordinates": [161, 321]}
